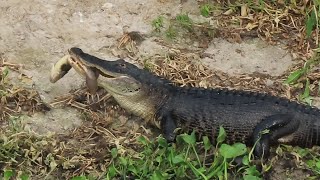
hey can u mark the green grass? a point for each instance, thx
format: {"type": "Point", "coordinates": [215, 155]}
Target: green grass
{"type": "Point", "coordinates": [312, 19]}
{"type": "Point", "coordinates": [184, 21]}
{"type": "Point", "coordinates": [3, 79]}
{"type": "Point", "coordinates": [171, 32]}
{"type": "Point", "coordinates": [157, 23]}
{"type": "Point", "coordinates": [312, 157]}
{"type": "Point", "coordinates": [205, 10]}
{"type": "Point", "coordinates": [180, 26]}
{"type": "Point", "coordinates": [160, 160]}
{"type": "Point", "coordinates": [299, 78]}
{"type": "Point", "coordinates": [10, 174]}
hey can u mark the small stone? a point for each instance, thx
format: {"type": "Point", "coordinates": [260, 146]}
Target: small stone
{"type": "Point", "coordinates": [269, 82]}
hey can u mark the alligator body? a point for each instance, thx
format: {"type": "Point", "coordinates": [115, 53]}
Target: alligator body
{"type": "Point", "coordinates": [244, 115]}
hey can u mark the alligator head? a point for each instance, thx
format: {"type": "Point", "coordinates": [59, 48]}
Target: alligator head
{"type": "Point", "coordinates": [135, 89]}
{"type": "Point", "coordinates": [116, 68]}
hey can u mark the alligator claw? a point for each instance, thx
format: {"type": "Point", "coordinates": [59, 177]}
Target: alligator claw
{"type": "Point", "coordinates": [93, 98]}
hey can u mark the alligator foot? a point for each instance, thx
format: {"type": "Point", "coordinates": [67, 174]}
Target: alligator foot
{"type": "Point", "coordinates": [270, 130]}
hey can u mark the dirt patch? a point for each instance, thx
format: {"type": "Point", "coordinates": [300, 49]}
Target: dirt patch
{"type": "Point", "coordinates": [248, 57]}
{"type": "Point", "coordinates": [63, 120]}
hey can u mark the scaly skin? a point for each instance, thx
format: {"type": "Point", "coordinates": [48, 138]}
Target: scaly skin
{"type": "Point", "coordinates": [244, 115]}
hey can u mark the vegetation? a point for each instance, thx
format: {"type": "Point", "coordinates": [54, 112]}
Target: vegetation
{"type": "Point", "coordinates": [159, 160]}
{"type": "Point", "coordinates": [301, 78]}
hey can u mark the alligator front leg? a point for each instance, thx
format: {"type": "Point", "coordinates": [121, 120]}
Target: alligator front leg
{"type": "Point", "coordinates": [168, 127]}
{"type": "Point", "coordinates": [270, 130]}
{"type": "Point", "coordinates": [92, 80]}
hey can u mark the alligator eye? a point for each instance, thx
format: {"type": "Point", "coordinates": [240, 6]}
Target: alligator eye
{"type": "Point", "coordinates": [122, 65]}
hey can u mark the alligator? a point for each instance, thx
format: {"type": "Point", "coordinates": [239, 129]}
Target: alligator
{"type": "Point", "coordinates": [255, 118]}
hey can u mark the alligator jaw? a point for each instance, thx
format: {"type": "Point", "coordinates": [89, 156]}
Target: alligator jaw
{"type": "Point", "coordinates": [122, 85]}
{"type": "Point", "coordinates": [62, 67]}
{"type": "Point", "coordinates": [129, 90]}
{"type": "Point", "coordinates": [132, 96]}
{"type": "Point", "coordinates": [78, 55]}
{"type": "Point", "coordinates": [75, 60]}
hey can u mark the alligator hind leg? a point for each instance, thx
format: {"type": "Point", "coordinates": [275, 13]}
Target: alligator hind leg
{"type": "Point", "coordinates": [278, 126]}
{"type": "Point", "coordinates": [168, 126]}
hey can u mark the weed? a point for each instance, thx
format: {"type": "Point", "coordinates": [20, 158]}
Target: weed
{"type": "Point", "coordinates": [171, 32]}
{"type": "Point", "coordinates": [160, 160]}
{"type": "Point", "coordinates": [294, 78]}
{"type": "Point", "coordinates": [7, 174]}
{"type": "Point", "coordinates": [10, 174]}
{"type": "Point", "coordinates": [205, 10]}
{"type": "Point", "coordinates": [157, 23]}
{"type": "Point", "coordinates": [312, 160]}
{"type": "Point", "coordinates": [14, 123]}
{"type": "Point", "coordinates": [182, 26]}
{"type": "Point", "coordinates": [185, 21]}
{"type": "Point", "coordinates": [147, 64]}
{"type": "Point", "coordinates": [311, 22]}
{"type": "Point", "coordinates": [4, 72]}
{"type": "Point", "coordinates": [305, 96]}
